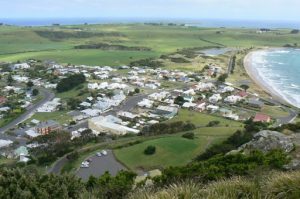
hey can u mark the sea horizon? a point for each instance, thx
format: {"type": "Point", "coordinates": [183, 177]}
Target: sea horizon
{"type": "Point", "coordinates": [214, 23]}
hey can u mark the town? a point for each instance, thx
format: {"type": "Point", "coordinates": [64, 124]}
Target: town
{"type": "Point", "coordinates": [42, 97]}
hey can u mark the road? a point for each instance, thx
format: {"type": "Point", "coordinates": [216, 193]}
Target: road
{"type": "Point", "coordinates": [47, 96]}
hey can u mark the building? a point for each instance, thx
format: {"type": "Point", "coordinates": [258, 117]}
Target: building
{"type": "Point", "coordinates": [47, 127]}
{"type": "Point", "coordinates": [20, 66]}
{"type": "Point", "coordinates": [127, 115]}
{"type": "Point", "coordinates": [215, 98]}
{"type": "Point", "coordinates": [2, 100]}
{"type": "Point", "coordinates": [256, 103]}
{"type": "Point", "coordinates": [260, 117]}
{"type": "Point", "coordinates": [166, 111]}
{"type": "Point", "coordinates": [110, 125]}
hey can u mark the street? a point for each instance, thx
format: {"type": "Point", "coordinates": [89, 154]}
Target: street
{"type": "Point", "coordinates": [47, 96]}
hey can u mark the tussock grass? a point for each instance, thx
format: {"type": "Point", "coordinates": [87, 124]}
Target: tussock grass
{"type": "Point", "coordinates": [285, 185]}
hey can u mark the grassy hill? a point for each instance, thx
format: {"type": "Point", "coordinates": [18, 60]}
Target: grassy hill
{"type": "Point", "coordinates": [172, 150]}
{"type": "Point", "coordinates": [57, 43]}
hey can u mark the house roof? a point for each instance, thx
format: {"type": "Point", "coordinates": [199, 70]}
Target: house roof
{"type": "Point", "coordinates": [242, 94]}
{"type": "Point", "coordinates": [260, 117]}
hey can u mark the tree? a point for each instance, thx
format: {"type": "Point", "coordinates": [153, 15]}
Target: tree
{"type": "Point", "coordinates": [137, 90]}
{"type": "Point", "coordinates": [10, 80]}
{"type": "Point", "coordinates": [35, 92]}
{"type": "Point", "coordinates": [29, 84]}
{"type": "Point", "coordinates": [110, 94]}
{"type": "Point", "coordinates": [150, 150]}
{"type": "Point", "coordinates": [245, 87]}
{"type": "Point", "coordinates": [189, 135]}
{"type": "Point", "coordinates": [222, 78]}
{"type": "Point", "coordinates": [70, 82]}
{"type": "Point", "coordinates": [179, 100]}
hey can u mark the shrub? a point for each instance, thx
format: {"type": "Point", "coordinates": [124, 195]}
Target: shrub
{"type": "Point", "coordinates": [150, 150]}
{"type": "Point", "coordinates": [70, 82]}
{"type": "Point", "coordinates": [213, 123]}
{"type": "Point", "coordinates": [189, 135]}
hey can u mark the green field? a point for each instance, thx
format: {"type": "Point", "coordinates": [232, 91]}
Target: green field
{"type": "Point", "coordinates": [59, 116]}
{"type": "Point", "coordinates": [172, 150]}
{"type": "Point", "coordinates": [202, 119]}
{"type": "Point", "coordinates": [21, 43]}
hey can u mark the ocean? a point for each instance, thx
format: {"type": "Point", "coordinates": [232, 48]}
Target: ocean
{"type": "Point", "coordinates": [280, 70]}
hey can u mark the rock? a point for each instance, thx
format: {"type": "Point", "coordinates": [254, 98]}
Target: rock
{"type": "Point", "coordinates": [266, 141]}
{"type": "Point", "coordinates": [293, 165]}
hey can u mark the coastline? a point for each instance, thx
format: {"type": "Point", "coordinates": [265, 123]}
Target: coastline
{"type": "Point", "coordinates": [258, 79]}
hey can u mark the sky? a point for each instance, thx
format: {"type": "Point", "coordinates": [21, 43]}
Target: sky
{"type": "Point", "coordinates": [283, 10]}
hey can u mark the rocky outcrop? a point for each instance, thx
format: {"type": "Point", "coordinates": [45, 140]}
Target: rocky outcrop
{"type": "Point", "coordinates": [266, 141]}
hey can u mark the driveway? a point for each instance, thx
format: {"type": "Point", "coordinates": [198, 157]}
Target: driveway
{"type": "Point", "coordinates": [100, 165]}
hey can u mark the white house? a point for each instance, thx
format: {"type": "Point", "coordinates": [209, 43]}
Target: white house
{"type": "Point", "coordinates": [20, 66]}
{"type": "Point", "coordinates": [146, 103]}
{"type": "Point", "coordinates": [215, 98]}
{"type": "Point", "coordinates": [232, 99]}
{"type": "Point", "coordinates": [212, 108]}
{"type": "Point", "coordinates": [189, 105]}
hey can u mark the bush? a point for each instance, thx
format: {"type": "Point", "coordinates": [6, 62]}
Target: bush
{"type": "Point", "coordinates": [150, 150]}
{"type": "Point", "coordinates": [70, 82]}
{"type": "Point", "coordinates": [189, 135]}
{"type": "Point", "coordinates": [213, 123]}
{"type": "Point", "coordinates": [222, 78]}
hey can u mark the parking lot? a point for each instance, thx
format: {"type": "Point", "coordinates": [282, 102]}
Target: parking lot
{"type": "Point", "coordinates": [99, 165]}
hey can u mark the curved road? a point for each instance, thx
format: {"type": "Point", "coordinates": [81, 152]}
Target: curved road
{"type": "Point", "coordinates": [47, 96]}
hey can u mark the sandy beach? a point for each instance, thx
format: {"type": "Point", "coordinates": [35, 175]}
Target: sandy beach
{"type": "Point", "coordinates": [254, 75]}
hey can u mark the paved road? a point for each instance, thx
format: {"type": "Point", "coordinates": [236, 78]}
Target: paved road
{"type": "Point", "coordinates": [127, 105]}
{"type": "Point", "coordinates": [58, 165]}
{"type": "Point", "coordinates": [100, 165]}
{"type": "Point", "coordinates": [47, 96]}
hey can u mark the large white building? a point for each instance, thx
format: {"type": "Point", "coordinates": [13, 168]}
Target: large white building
{"type": "Point", "coordinates": [110, 125]}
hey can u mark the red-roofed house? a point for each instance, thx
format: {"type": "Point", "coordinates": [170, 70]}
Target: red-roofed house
{"type": "Point", "coordinates": [260, 117]}
{"type": "Point", "coordinates": [242, 94]}
{"type": "Point", "coordinates": [2, 100]}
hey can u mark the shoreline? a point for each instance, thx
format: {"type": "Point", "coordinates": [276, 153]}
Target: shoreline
{"type": "Point", "coordinates": [258, 79]}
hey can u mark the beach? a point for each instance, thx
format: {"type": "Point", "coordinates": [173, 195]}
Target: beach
{"type": "Point", "coordinates": [258, 79]}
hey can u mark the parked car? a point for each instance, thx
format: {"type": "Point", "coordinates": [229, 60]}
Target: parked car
{"type": "Point", "coordinates": [98, 154]}
{"type": "Point", "coordinates": [85, 164]}
{"type": "Point", "coordinates": [89, 160]}
{"type": "Point", "coordinates": [104, 152]}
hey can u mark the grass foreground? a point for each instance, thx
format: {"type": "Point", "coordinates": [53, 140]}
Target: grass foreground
{"type": "Point", "coordinates": [275, 185]}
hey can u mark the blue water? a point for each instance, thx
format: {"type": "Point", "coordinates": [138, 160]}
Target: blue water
{"type": "Point", "coordinates": [280, 69]}
{"type": "Point", "coordinates": [188, 22]}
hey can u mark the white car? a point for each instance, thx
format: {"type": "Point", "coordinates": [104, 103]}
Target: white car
{"type": "Point", "coordinates": [98, 154]}
{"type": "Point", "coordinates": [104, 152]}
{"type": "Point", "coordinates": [85, 164]}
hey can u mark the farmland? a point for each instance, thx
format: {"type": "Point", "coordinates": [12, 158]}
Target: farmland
{"type": "Point", "coordinates": [22, 43]}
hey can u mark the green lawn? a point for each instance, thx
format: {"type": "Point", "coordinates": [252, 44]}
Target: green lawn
{"type": "Point", "coordinates": [172, 150]}
{"type": "Point", "coordinates": [60, 116]}
{"type": "Point", "coordinates": [274, 111]}
{"type": "Point", "coordinates": [202, 119]}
